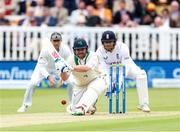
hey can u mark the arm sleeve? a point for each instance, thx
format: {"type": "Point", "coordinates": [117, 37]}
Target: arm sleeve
{"type": "Point", "coordinates": [126, 59]}
{"type": "Point", "coordinates": [92, 61]}
{"type": "Point", "coordinates": [102, 66]}
{"type": "Point", "coordinates": [43, 62]}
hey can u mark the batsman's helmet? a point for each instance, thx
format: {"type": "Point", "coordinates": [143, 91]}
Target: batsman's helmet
{"type": "Point", "coordinates": [80, 43]}
{"type": "Point", "coordinates": [56, 36]}
{"type": "Point", "coordinates": [108, 36]}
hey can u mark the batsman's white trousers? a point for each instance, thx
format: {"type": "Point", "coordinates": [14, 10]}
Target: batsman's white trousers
{"type": "Point", "coordinates": [86, 96]}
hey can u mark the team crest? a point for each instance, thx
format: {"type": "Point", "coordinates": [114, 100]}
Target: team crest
{"type": "Point", "coordinates": [105, 58]}
{"type": "Point", "coordinates": [80, 43]}
{"type": "Point", "coordinates": [107, 36]}
{"type": "Point", "coordinates": [85, 76]}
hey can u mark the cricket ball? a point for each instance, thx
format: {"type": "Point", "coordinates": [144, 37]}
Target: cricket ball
{"type": "Point", "coordinates": [63, 102]}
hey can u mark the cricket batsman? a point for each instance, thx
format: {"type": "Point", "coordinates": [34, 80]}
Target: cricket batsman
{"type": "Point", "coordinates": [113, 52]}
{"type": "Point", "coordinates": [46, 67]}
{"type": "Point", "coordinates": [89, 83]}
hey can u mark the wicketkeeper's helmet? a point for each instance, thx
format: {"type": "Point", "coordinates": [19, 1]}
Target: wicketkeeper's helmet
{"type": "Point", "coordinates": [56, 36]}
{"type": "Point", "coordinates": [80, 43]}
{"type": "Point", "coordinates": [108, 36]}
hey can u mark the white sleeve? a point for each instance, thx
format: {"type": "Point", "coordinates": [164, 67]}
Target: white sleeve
{"type": "Point", "coordinates": [43, 62]}
{"type": "Point", "coordinates": [103, 67]}
{"type": "Point", "coordinates": [92, 62]}
{"type": "Point", "coordinates": [126, 59]}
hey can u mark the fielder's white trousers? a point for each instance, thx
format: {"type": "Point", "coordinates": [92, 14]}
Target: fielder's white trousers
{"type": "Point", "coordinates": [36, 78]}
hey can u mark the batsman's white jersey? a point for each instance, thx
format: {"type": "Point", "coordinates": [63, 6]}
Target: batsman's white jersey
{"type": "Point", "coordinates": [120, 54]}
{"type": "Point", "coordinates": [45, 66]}
{"type": "Point", "coordinates": [83, 78]}
{"type": "Point", "coordinates": [87, 85]}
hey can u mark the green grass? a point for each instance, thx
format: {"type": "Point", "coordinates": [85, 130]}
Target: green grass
{"type": "Point", "coordinates": [44, 100]}
{"type": "Point", "coordinates": [48, 101]}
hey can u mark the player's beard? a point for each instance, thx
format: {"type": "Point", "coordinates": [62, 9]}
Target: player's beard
{"type": "Point", "coordinates": [81, 55]}
{"type": "Point", "coordinates": [57, 46]}
{"type": "Point", "coordinates": [57, 49]}
{"type": "Point", "coordinates": [109, 48]}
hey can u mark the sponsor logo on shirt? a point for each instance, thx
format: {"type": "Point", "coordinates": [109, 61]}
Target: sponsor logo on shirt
{"type": "Point", "coordinates": [109, 63]}
{"type": "Point", "coordinates": [105, 58]}
{"type": "Point", "coordinates": [126, 58]}
{"type": "Point", "coordinates": [55, 55]}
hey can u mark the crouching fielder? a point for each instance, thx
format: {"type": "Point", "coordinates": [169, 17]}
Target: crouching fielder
{"type": "Point", "coordinates": [89, 83]}
{"type": "Point", "coordinates": [46, 68]}
{"type": "Point", "coordinates": [116, 52]}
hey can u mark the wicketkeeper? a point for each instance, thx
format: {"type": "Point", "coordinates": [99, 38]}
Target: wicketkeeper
{"type": "Point", "coordinates": [46, 68]}
{"type": "Point", "coordinates": [113, 52]}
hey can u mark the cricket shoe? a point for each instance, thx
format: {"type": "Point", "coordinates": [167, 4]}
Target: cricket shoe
{"type": "Point", "coordinates": [78, 111]}
{"type": "Point", "coordinates": [69, 109]}
{"type": "Point", "coordinates": [22, 109]}
{"type": "Point", "coordinates": [144, 108]}
{"type": "Point", "coordinates": [91, 110]}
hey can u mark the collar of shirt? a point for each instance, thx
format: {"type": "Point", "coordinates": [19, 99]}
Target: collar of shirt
{"type": "Point", "coordinates": [81, 61]}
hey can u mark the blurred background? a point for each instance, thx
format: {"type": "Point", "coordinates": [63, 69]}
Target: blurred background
{"type": "Point", "coordinates": [151, 29]}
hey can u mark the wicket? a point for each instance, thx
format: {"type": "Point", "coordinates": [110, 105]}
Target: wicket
{"type": "Point", "coordinates": [115, 88]}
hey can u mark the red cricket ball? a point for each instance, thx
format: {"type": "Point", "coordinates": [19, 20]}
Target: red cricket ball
{"type": "Point", "coordinates": [63, 102]}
